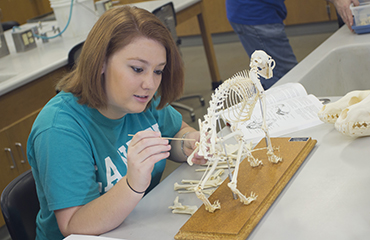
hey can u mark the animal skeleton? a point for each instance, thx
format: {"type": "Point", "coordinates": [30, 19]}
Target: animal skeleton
{"type": "Point", "coordinates": [350, 114]}
{"type": "Point", "coordinates": [192, 190]}
{"type": "Point", "coordinates": [183, 209]}
{"type": "Point", "coordinates": [214, 181]}
{"type": "Point", "coordinates": [209, 184]}
{"type": "Point", "coordinates": [235, 99]}
{"type": "Point", "coordinates": [219, 167]}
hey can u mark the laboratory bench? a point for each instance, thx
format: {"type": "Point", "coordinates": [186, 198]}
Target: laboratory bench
{"type": "Point", "coordinates": [328, 196]}
{"type": "Point", "coordinates": [339, 65]}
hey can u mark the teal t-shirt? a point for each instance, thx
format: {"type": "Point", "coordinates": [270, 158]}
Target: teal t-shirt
{"type": "Point", "coordinates": [77, 154]}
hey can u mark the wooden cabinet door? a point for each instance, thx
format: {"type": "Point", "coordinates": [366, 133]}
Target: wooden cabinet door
{"type": "Point", "coordinates": [13, 157]}
{"type": "Point", "coordinates": [18, 136]}
{"type": "Point", "coordinates": [8, 171]}
{"type": "Point", "coordinates": [18, 10]}
{"type": "Point", "coordinates": [22, 10]}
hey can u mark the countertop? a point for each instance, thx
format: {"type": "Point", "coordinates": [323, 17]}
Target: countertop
{"type": "Point", "coordinates": [25, 67]}
{"type": "Point", "coordinates": [327, 198]}
{"type": "Point", "coordinates": [339, 65]}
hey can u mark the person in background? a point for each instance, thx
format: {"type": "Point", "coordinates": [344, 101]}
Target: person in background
{"type": "Point", "coordinates": [90, 172]}
{"type": "Point", "coordinates": [344, 12]}
{"type": "Point", "coordinates": [259, 25]}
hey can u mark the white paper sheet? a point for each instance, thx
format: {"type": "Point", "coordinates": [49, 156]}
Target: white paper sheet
{"type": "Point", "coordinates": [88, 237]}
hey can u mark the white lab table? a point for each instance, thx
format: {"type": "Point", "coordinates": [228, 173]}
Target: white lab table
{"type": "Point", "coordinates": [327, 198]}
{"type": "Point", "coordinates": [337, 66]}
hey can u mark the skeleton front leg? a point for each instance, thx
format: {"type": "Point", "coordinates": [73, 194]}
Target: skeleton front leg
{"type": "Point", "coordinates": [232, 184]}
{"type": "Point", "coordinates": [191, 156]}
{"type": "Point", "coordinates": [270, 151]}
{"type": "Point", "coordinates": [254, 162]}
{"type": "Point", "coordinates": [261, 65]}
{"type": "Point", "coordinates": [199, 190]}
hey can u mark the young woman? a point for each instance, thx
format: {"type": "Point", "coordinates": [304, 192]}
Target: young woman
{"type": "Point", "coordinates": [90, 172]}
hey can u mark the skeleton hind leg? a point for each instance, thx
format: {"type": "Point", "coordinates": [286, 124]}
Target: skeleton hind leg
{"type": "Point", "coordinates": [199, 190]}
{"type": "Point", "coordinates": [233, 183]}
{"type": "Point", "coordinates": [270, 151]}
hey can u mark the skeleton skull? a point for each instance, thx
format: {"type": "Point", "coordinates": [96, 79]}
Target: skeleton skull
{"type": "Point", "coordinates": [263, 62]}
{"type": "Point", "coordinates": [355, 119]}
{"type": "Point", "coordinates": [330, 112]}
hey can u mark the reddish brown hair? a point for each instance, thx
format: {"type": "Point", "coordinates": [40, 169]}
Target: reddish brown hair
{"type": "Point", "coordinates": [115, 29]}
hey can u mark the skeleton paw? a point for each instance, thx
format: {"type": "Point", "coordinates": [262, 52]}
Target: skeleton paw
{"type": "Point", "coordinates": [250, 199]}
{"type": "Point", "coordinates": [213, 207]}
{"type": "Point", "coordinates": [274, 159]}
{"type": "Point", "coordinates": [254, 162]}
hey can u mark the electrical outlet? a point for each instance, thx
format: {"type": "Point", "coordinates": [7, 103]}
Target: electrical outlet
{"type": "Point", "coordinates": [24, 40]}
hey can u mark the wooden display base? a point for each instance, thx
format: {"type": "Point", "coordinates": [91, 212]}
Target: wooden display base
{"type": "Point", "coordinates": [235, 220]}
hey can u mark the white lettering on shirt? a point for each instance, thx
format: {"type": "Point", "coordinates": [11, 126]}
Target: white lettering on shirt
{"type": "Point", "coordinates": [155, 127]}
{"type": "Point", "coordinates": [112, 173]}
{"type": "Point", "coordinates": [111, 178]}
{"type": "Point", "coordinates": [123, 154]}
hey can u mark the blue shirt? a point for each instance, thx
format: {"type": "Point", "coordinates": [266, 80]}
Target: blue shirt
{"type": "Point", "coordinates": [256, 12]}
{"type": "Point", "coordinates": [77, 154]}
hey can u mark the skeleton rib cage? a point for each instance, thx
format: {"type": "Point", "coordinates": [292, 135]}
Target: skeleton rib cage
{"type": "Point", "coordinates": [233, 100]}
{"type": "Point", "coordinates": [240, 93]}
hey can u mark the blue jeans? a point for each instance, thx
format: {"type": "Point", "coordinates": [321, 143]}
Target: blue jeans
{"type": "Point", "coordinates": [272, 39]}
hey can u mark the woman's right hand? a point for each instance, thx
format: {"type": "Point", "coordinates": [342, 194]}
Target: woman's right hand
{"type": "Point", "coordinates": [145, 149]}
